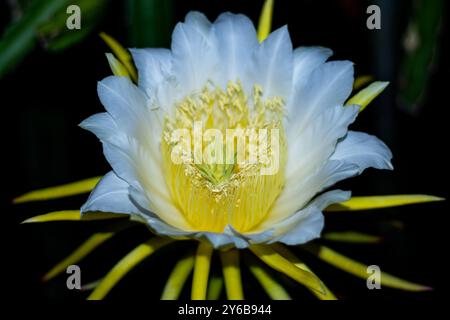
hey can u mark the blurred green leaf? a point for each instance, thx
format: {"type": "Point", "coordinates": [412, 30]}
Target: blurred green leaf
{"type": "Point", "coordinates": [420, 43]}
{"type": "Point", "coordinates": [149, 22]}
{"type": "Point", "coordinates": [20, 36]}
{"type": "Point", "coordinates": [46, 20]}
{"type": "Point", "coordinates": [68, 39]}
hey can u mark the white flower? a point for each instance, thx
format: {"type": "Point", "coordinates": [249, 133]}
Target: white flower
{"type": "Point", "coordinates": [220, 74]}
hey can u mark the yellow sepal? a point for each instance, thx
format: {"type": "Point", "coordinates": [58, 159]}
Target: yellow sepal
{"type": "Point", "coordinates": [272, 288]}
{"type": "Point", "coordinates": [79, 253]}
{"type": "Point", "coordinates": [177, 278]}
{"type": "Point", "coordinates": [121, 53]}
{"type": "Point", "coordinates": [285, 252]}
{"type": "Point", "coordinates": [360, 270]}
{"type": "Point", "coordinates": [73, 215]}
{"type": "Point", "coordinates": [265, 20]}
{"type": "Point", "coordinates": [201, 271]}
{"type": "Point", "coordinates": [117, 68]}
{"type": "Point", "coordinates": [65, 190]}
{"type": "Point", "coordinates": [283, 265]}
{"type": "Point", "coordinates": [351, 237]}
{"type": "Point", "coordinates": [126, 264]}
{"type": "Point", "coordinates": [378, 202]}
{"type": "Point", "coordinates": [362, 81]}
{"type": "Point", "coordinates": [214, 287]}
{"type": "Point", "coordinates": [366, 95]}
{"type": "Point", "coordinates": [232, 274]}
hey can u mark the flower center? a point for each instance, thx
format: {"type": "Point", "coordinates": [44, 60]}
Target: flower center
{"type": "Point", "coordinates": [224, 156]}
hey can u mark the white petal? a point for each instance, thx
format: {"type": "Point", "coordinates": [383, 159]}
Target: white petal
{"type": "Point", "coordinates": [134, 164]}
{"type": "Point", "coordinates": [363, 150]}
{"type": "Point", "coordinates": [307, 224]}
{"type": "Point", "coordinates": [130, 110]}
{"type": "Point", "coordinates": [127, 117]}
{"type": "Point", "coordinates": [134, 150]}
{"type": "Point", "coordinates": [160, 227]}
{"type": "Point", "coordinates": [273, 63]}
{"type": "Point", "coordinates": [199, 22]}
{"type": "Point", "coordinates": [120, 154]}
{"type": "Point", "coordinates": [153, 67]}
{"type": "Point", "coordinates": [259, 235]}
{"type": "Point", "coordinates": [313, 147]}
{"type": "Point", "coordinates": [126, 103]}
{"type": "Point", "coordinates": [100, 124]}
{"type": "Point", "coordinates": [131, 160]}
{"type": "Point", "coordinates": [306, 230]}
{"type": "Point", "coordinates": [306, 59]}
{"type": "Point", "coordinates": [110, 195]}
{"type": "Point", "coordinates": [155, 200]}
{"type": "Point", "coordinates": [327, 86]}
{"type": "Point", "coordinates": [333, 172]}
{"type": "Point", "coordinates": [223, 240]}
{"type": "Point", "coordinates": [300, 227]}
{"type": "Point", "coordinates": [126, 106]}
{"type": "Point", "coordinates": [236, 40]}
{"type": "Point", "coordinates": [194, 53]}
{"type": "Point", "coordinates": [307, 155]}
{"type": "Point", "coordinates": [218, 240]}
{"type": "Point", "coordinates": [355, 153]}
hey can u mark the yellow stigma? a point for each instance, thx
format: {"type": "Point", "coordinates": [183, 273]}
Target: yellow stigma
{"type": "Point", "coordinates": [223, 180]}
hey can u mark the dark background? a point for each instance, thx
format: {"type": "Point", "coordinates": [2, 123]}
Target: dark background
{"type": "Point", "coordinates": [47, 95]}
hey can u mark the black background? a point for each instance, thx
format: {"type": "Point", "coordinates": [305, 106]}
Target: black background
{"type": "Point", "coordinates": [47, 95]}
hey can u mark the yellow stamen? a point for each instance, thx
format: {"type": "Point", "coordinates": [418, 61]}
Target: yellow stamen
{"type": "Point", "coordinates": [230, 190]}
